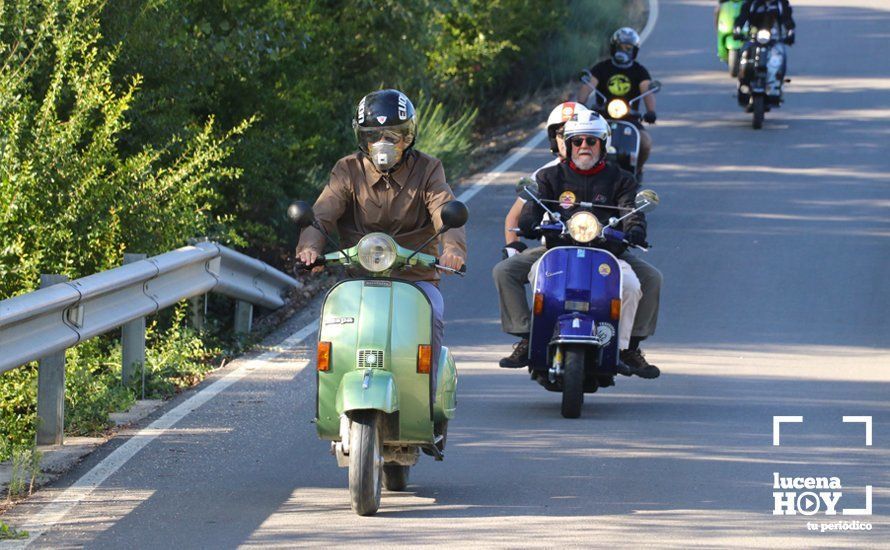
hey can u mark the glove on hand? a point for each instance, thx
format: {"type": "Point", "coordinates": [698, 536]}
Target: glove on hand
{"type": "Point", "coordinates": [636, 235]}
{"type": "Point", "coordinates": [789, 38]}
{"type": "Point", "coordinates": [512, 249]}
{"type": "Point", "coordinates": [650, 117]}
{"type": "Point", "coordinates": [737, 33]}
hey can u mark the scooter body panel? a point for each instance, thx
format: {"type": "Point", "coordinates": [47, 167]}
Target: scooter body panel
{"type": "Point", "coordinates": [726, 17]}
{"type": "Point", "coordinates": [376, 325]}
{"type": "Point", "coordinates": [445, 404]}
{"type": "Point", "coordinates": [577, 285]}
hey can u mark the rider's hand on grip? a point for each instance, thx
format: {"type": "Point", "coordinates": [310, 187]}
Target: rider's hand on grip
{"type": "Point", "coordinates": [512, 249]}
{"type": "Point", "coordinates": [737, 33]}
{"type": "Point", "coordinates": [649, 117]}
{"type": "Point", "coordinates": [636, 236]}
{"type": "Point", "coordinates": [789, 38]}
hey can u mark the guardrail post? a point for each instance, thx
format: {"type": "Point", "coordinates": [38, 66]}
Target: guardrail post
{"type": "Point", "coordinates": [51, 387]}
{"type": "Point", "coordinates": [197, 308]}
{"type": "Point", "coordinates": [243, 317]}
{"type": "Point", "coordinates": [132, 338]}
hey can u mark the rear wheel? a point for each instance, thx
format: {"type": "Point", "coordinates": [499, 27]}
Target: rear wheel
{"type": "Point", "coordinates": [758, 109]}
{"type": "Point", "coordinates": [732, 60]}
{"type": "Point", "coordinates": [395, 477]}
{"type": "Point", "coordinates": [365, 462]}
{"type": "Point", "coordinates": [573, 382]}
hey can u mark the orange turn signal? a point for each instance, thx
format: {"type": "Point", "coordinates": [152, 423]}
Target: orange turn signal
{"type": "Point", "coordinates": [539, 303]}
{"type": "Point", "coordinates": [616, 309]}
{"type": "Point", "coordinates": [324, 356]}
{"type": "Point", "coordinates": [424, 358]}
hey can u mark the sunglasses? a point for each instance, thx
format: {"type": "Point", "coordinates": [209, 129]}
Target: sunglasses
{"type": "Point", "coordinates": [578, 141]}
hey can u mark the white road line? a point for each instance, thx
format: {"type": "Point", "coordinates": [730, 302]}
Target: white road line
{"type": "Point", "coordinates": [650, 24]}
{"type": "Point", "coordinates": [53, 512]}
{"type": "Point", "coordinates": [507, 163]}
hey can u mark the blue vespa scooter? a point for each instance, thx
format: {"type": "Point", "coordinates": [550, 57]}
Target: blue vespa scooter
{"type": "Point", "coordinates": [573, 347]}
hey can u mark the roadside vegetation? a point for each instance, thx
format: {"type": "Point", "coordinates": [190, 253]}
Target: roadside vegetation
{"type": "Point", "coordinates": [135, 125]}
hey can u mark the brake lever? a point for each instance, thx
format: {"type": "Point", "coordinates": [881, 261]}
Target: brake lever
{"type": "Point", "coordinates": [644, 247]}
{"type": "Point", "coordinates": [462, 271]}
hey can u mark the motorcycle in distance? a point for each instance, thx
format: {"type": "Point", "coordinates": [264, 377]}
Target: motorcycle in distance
{"type": "Point", "coordinates": [619, 113]}
{"type": "Point", "coordinates": [573, 345]}
{"type": "Point", "coordinates": [728, 47]}
{"type": "Point", "coordinates": [753, 76]}
{"type": "Point", "coordinates": [382, 398]}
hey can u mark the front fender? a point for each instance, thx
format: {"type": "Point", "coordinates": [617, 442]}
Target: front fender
{"type": "Point", "coordinates": [379, 392]}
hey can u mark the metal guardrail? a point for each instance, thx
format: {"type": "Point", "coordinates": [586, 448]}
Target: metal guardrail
{"type": "Point", "coordinates": [44, 323]}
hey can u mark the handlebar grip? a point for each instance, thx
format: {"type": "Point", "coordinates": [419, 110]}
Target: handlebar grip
{"type": "Point", "coordinates": [299, 265]}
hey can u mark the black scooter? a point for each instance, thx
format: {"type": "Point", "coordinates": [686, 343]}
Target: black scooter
{"type": "Point", "coordinates": [753, 76]}
{"type": "Point", "coordinates": [623, 117]}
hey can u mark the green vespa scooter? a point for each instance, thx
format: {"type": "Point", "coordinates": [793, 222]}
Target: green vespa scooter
{"type": "Point", "coordinates": [382, 396]}
{"type": "Point", "coordinates": [728, 48]}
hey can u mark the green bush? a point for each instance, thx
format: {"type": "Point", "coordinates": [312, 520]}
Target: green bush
{"type": "Point", "coordinates": [70, 201]}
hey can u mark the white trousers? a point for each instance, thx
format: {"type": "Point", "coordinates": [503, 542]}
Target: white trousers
{"type": "Point", "coordinates": [631, 292]}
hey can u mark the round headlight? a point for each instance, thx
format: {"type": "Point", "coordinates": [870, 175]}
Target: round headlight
{"type": "Point", "coordinates": [584, 227]}
{"type": "Point", "coordinates": [617, 108]}
{"type": "Point", "coordinates": [763, 36]}
{"type": "Point", "coordinates": [377, 252]}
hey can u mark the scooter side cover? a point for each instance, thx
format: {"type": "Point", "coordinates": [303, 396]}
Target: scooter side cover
{"type": "Point", "coordinates": [446, 387]}
{"type": "Point", "coordinates": [574, 274]}
{"type": "Point", "coordinates": [377, 316]}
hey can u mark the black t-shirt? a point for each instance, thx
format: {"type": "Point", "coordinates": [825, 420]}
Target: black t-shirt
{"type": "Point", "coordinates": [615, 82]}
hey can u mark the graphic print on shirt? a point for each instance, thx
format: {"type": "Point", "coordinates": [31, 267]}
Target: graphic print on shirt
{"type": "Point", "coordinates": [619, 84]}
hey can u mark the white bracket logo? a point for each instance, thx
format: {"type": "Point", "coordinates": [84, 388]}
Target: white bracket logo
{"type": "Point", "coordinates": [809, 503]}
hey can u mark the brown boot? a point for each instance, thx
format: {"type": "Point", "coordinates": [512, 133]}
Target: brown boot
{"type": "Point", "coordinates": [519, 357]}
{"type": "Point", "coordinates": [634, 359]}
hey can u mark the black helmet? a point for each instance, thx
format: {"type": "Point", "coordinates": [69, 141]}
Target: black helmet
{"type": "Point", "coordinates": [386, 117]}
{"type": "Point", "coordinates": [623, 37]}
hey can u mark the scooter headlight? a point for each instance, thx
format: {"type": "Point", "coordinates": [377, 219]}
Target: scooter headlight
{"type": "Point", "coordinates": [763, 36]}
{"type": "Point", "coordinates": [617, 108]}
{"type": "Point", "coordinates": [377, 252]}
{"type": "Point", "coordinates": [584, 227]}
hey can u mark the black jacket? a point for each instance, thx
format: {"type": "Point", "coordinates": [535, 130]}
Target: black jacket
{"type": "Point", "coordinates": [762, 14]}
{"type": "Point", "coordinates": [610, 186]}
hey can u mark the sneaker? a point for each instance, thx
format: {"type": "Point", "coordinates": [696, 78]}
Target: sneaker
{"type": "Point", "coordinates": [519, 357]}
{"type": "Point", "coordinates": [634, 359]}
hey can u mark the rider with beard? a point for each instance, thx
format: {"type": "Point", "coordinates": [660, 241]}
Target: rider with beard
{"type": "Point", "coordinates": [510, 274]}
{"type": "Point", "coordinates": [623, 77]}
{"type": "Point", "coordinates": [774, 16]}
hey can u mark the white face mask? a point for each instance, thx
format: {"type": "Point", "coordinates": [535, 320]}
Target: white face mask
{"type": "Point", "coordinates": [384, 155]}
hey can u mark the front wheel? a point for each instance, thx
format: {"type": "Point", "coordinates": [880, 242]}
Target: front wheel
{"type": "Point", "coordinates": [758, 109]}
{"type": "Point", "coordinates": [573, 382]}
{"type": "Point", "coordinates": [365, 462]}
{"type": "Point", "coordinates": [395, 477]}
{"type": "Point", "coordinates": [732, 60]}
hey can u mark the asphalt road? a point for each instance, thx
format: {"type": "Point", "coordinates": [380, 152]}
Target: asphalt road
{"type": "Point", "coordinates": [775, 247]}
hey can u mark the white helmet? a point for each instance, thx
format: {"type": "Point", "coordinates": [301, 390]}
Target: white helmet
{"type": "Point", "coordinates": [589, 124]}
{"type": "Point", "coordinates": [559, 116]}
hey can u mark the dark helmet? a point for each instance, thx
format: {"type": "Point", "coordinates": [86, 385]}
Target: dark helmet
{"type": "Point", "coordinates": [385, 116]}
{"type": "Point", "coordinates": [624, 46]}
